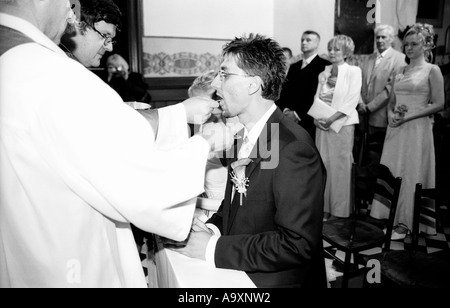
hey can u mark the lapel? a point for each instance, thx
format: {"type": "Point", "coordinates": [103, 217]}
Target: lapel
{"type": "Point", "coordinates": [383, 66]}
{"type": "Point", "coordinates": [231, 156]}
{"type": "Point", "coordinates": [314, 61]}
{"type": "Point", "coordinates": [301, 64]}
{"type": "Point", "coordinates": [259, 152]}
{"type": "Point", "coordinates": [311, 64]}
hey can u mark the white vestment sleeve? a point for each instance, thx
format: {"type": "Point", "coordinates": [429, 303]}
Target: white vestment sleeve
{"type": "Point", "coordinates": [172, 126]}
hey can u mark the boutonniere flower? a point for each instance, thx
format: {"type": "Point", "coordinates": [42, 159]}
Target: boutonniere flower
{"type": "Point", "coordinates": [238, 176]}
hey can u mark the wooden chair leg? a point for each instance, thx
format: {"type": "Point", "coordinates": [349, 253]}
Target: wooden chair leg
{"type": "Point", "coordinates": [365, 283]}
{"type": "Point", "coordinates": [345, 276]}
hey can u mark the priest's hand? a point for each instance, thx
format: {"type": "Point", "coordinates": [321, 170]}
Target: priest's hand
{"type": "Point", "coordinates": [195, 246]}
{"type": "Point", "coordinates": [198, 225]}
{"type": "Point", "coordinates": [199, 109]}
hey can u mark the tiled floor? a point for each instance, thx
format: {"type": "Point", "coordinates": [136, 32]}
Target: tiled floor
{"type": "Point", "coordinates": [427, 244]}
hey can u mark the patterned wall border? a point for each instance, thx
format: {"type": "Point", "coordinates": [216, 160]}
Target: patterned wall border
{"type": "Point", "coordinates": [179, 64]}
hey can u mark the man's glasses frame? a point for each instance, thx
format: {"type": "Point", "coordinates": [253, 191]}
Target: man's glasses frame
{"type": "Point", "coordinates": [223, 75]}
{"type": "Point", "coordinates": [107, 39]}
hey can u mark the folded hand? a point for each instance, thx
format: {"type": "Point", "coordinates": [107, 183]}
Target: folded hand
{"type": "Point", "coordinates": [396, 121]}
{"type": "Point", "coordinates": [198, 225]}
{"type": "Point", "coordinates": [362, 108]}
{"type": "Point", "coordinates": [291, 115]}
{"type": "Point", "coordinates": [322, 124]}
{"type": "Point", "coordinates": [195, 246]}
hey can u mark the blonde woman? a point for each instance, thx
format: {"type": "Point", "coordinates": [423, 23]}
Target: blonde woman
{"type": "Point", "coordinates": [339, 88]}
{"type": "Point", "coordinates": [409, 147]}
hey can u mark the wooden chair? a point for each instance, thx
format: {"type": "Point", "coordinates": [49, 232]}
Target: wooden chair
{"type": "Point", "coordinates": [361, 139]}
{"type": "Point", "coordinates": [368, 147]}
{"type": "Point", "coordinates": [414, 268]}
{"type": "Point", "coordinates": [355, 234]}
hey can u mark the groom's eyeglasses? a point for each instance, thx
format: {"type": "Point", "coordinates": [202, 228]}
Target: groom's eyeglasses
{"type": "Point", "coordinates": [223, 75]}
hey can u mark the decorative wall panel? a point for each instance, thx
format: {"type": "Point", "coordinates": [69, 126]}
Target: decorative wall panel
{"type": "Point", "coordinates": [180, 64]}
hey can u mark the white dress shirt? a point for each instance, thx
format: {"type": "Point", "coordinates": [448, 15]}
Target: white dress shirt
{"type": "Point", "coordinates": [381, 56]}
{"type": "Point", "coordinates": [308, 60]}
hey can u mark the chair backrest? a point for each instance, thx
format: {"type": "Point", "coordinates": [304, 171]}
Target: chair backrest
{"type": "Point", "coordinates": [368, 147]}
{"type": "Point", "coordinates": [424, 211]}
{"type": "Point", "coordinates": [381, 185]}
{"type": "Point", "coordinates": [387, 191]}
{"type": "Point", "coordinates": [361, 148]}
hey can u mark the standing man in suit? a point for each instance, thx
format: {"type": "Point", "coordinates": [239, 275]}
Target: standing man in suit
{"type": "Point", "coordinates": [376, 87]}
{"type": "Point", "coordinates": [270, 222]}
{"type": "Point", "coordinates": [300, 87]}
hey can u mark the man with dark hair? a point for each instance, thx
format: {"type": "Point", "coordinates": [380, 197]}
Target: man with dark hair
{"type": "Point", "coordinates": [300, 87]}
{"type": "Point", "coordinates": [88, 39]}
{"type": "Point", "coordinates": [270, 221]}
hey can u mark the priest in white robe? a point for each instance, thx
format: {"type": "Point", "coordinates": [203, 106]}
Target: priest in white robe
{"type": "Point", "coordinates": [77, 165]}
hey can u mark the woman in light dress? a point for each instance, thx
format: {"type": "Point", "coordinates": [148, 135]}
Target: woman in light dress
{"type": "Point", "coordinates": [409, 146]}
{"type": "Point", "coordinates": [339, 87]}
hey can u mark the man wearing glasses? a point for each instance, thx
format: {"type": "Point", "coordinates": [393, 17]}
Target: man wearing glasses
{"type": "Point", "coordinates": [93, 35]}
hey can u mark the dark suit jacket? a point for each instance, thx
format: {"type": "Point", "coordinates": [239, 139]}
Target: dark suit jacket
{"type": "Point", "coordinates": [276, 235]}
{"type": "Point", "coordinates": [299, 90]}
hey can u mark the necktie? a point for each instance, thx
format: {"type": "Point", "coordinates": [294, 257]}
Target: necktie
{"type": "Point", "coordinates": [245, 149]}
{"type": "Point", "coordinates": [379, 58]}
{"type": "Point", "coordinates": [304, 64]}
{"type": "Point", "coordinates": [244, 152]}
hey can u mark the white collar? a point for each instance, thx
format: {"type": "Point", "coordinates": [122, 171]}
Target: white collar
{"type": "Point", "coordinates": [383, 54]}
{"type": "Point", "coordinates": [308, 60]}
{"type": "Point", "coordinates": [256, 130]}
{"type": "Point", "coordinates": [29, 30]}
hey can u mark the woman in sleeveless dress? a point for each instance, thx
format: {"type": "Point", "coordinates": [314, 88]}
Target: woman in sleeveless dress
{"type": "Point", "coordinates": [409, 146]}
